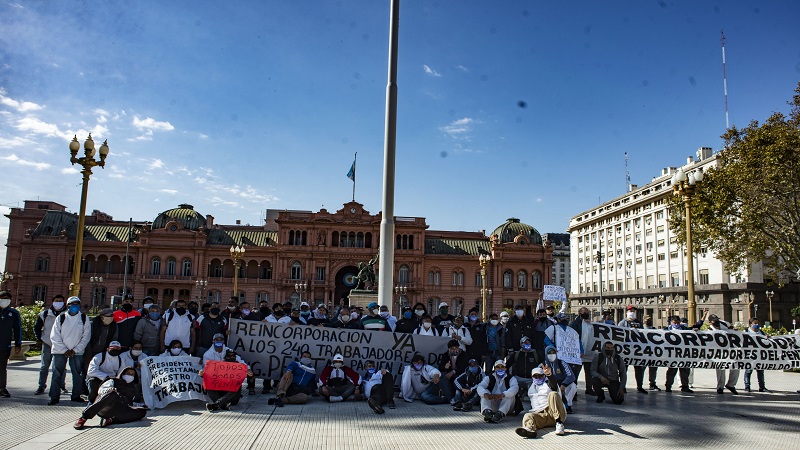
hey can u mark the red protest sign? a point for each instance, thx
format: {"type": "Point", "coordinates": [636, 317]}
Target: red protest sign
{"type": "Point", "coordinates": [223, 376]}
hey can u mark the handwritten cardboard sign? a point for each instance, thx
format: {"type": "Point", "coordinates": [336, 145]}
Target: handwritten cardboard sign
{"type": "Point", "coordinates": [224, 376]}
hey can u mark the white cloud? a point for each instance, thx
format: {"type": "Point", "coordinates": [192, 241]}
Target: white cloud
{"type": "Point", "coordinates": [23, 162]}
{"type": "Point", "coordinates": [15, 141]}
{"type": "Point", "coordinates": [203, 136]}
{"type": "Point", "coordinates": [19, 106]}
{"type": "Point", "coordinates": [147, 136]}
{"type": "Point", "coordinates": [458, 129]}
{"type": "Point", "coordinates": [538, 200]}
{"type": "Point", "coordinates": [430, 71]}
{"type": "Point", "coordinates": [462, 68]}
{"type": "Point", "coordinates": [100, 130]}
{"type": "Point", "coordinates": [101, 119]}
{"type": "Point", "coordinates": [37, 126]}
{"type": "Point", "coordinates": [69, 171]}
{"type": "Point", "coordinates": [156, 164]}
{"type": "Point", "coordinates": [16, 5]}
{"type": "Point", "coordinates": [151, 124]}
{"type": "Point", "coordinates": [101, 112]}
{"type": "Point", "coordinates": [169, 191]}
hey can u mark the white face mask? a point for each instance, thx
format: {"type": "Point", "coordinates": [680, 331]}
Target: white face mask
{"type": "Point", "coordinates": [176, 351]}
{"type": "Point", "coordinates": [344, 319]}
{"type": "Point", "coordinates": [504, 319]}
{"type": "Point", "coordinates": [519, 312]}
{"type": "Point", "coordinates": [384, 314]}
{"type": "Point", "coordinates": [419, 312]}
{"type": "Point", "coordinates": [338, 365]}
{"type": "Point", "coordinates": [551, 358]}
{"type": "Point", "coordinates": [128, 378]}
{"type": "Point", "coordinates": [58, 306]}
{"type": "Point", "coordinates": [376, 311]}
{"type": "Point", "coordinates": [631, 315]}
{"type": "Point", "coordinates": [4, 303]}
{"type": "Point", "coordinates": [136, 352]}
{"type": "Point", "coordinates": [426, 325]}
{"type": "Point", "coordinates": [494, 322]}
{"type": "Point", "coordinates": [147, 306]}
{"type": "Point", "coordinates": [354, 315]}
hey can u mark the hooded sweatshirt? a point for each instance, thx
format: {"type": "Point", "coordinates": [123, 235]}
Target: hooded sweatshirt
{"type": "Point", "coordinates": [561, 371]}
{"type": "Point", "coordinates": [72, 333]}
{"type": "Point", "coordinates": [610, 367]}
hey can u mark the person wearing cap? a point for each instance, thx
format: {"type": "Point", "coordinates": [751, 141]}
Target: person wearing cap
{"type": "Point", "coordinates": [206, 327]}
{"type": "Point", "coordinates": [297, 383]}
{"type": "Point", "coordinates": [305, 313]}
{"type": "Point", "coordinates": [631, 321]}
{"type": "Point", "coordinates": [498, 393]}
{"type": "Point", "coordinates": [126, 319]}
{"type": "Point", "coordinates": [717, 325]}
{"type": "Point", "coordinates": [378, 387]}
{"type": "Point", "coordinates": [104, 330]}
{"type": "Point", "coordinates": [466, 384]}
{"type": "Point", "coordinates": [426, 328]}
{"type": "Point", "coordinates": [232, 311]}
{"type": "Point", "coordinates": [521, 324]}
{"type": "Point", "coordinates": [70, 337]}
{"type": "Point", "coordinates": [103, 366]}
{"type": "Point", "coordinates": [338, 382]}
{"type": "Point", "coordinates": [372, 320]}
{"type": "Point", "coordinates": [504, 318]}
{"type": "Point", "coordinates": [390, 319]}
{"type": "Point", "coordinates": [583, 326]}
{"type": "Point", "coordinates": [407, 323]}
{"type": "Point", "coordinates": [44, 324]}
{"type": "Point", "coordinates": [453, 362]}
{"type": "Point", "coordinates": [569, 347]}
{"type": "Point", "coordinates": [562, 372]}
{"type": "Point", "coordinates": [148, 330]}
{"type": "Point", "coordinates": [117, 400]}
{"type": "Point", "coordinates": [423, 381]}
{"type": "Point", "coordinates": [522, 362]}
{"type": "Point", "coordinates": [218, 351]}
{"type": "Point", "coordinates": [457, 331]}
{"type": "Point", "coordinates": [443, 319]}
{"type": "Point", "coordinates": [608, 371]}
{"type": "Point", "coordinates": [146, 302]}
{"type": "Point", "coordinates": [294, 317]}
{"type": "Point", "coordinates": [225, 399]}
{"type": "Point", "coordinates": [547, 408]}
{"type": "Point", "coordinates": [10, 330]}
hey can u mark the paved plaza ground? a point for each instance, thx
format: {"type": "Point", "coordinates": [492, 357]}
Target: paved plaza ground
{"type": "Point", "coordinates": [703, 419]}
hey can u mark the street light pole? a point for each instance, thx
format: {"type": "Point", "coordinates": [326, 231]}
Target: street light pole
{"type": "Point", "coordinates": [201, 283]}
{"type": "Point", "coordinates": [401, 291]}
{"type": "Point", "coordinates": [94, 281]}
{"type": "Point", "coordinates": [299, 288]}
{"type": "Point", "coordinates": [600, 269]}
{"type": "Point", "coordinates": [236, 253]}
{"type": "Point", "coordinates": [770, 294]}
{"type": "Point", "coordinates": [87, 162]}
{"type": "Point", "coordinates": [685, 185]}
{"type": "Point", "coordinates": [484, 261]}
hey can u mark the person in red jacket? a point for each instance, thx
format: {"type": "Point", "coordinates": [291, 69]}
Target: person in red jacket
{"type": "Point", "coordinates": [338, 382]}
{"type": "Point", "coordinates": [126, 319]}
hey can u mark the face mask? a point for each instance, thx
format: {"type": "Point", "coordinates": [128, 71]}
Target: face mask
{"type": "Point", "coordinates": [181, 311]}
{"type": "Point", "coordinates": [127, 307]}
{"type": "Point", "coordinates": [419, 312]}
{"type": "Point", "coordinates": [306, 361]}
{"type": "Point", "coordinates": [344, 319]}
{"type": "Point", "coordinates": [494, 322]}
{"type": "Point", "coordinates": [551, 358]}
{"type": "Point", "coordinates": [504, 320]}
{"type": "Point", "coordinates": [756, 326]}
{"type": "Point", "coordinates": [371, 370]}
{"type": "Point", "coordinates": [474, 369]}
{"type": "Point", "coordinates": [354, 315]}
{"type": "Point", "coordinates": [473, 318]}
{"type": "Point", "coordinates": [608, 352]}
{"type": "Point", "coordinates": [58, 306]}
{"type": "Point", "coordinates": [193, 310]}
{"type": "Point", "coordinates": [338, 365]}
{"type": "Point", "coordinates": [147, 306]}
{"type": "Point", "coordinates": [426, 325]}
{"type": "Point", "coordinates": [305, 313]}
{"type": "Point", "coordinates": [519, 313]}
{"type": "Point", "coordinates": [631, 315]}
{"type": "Point", "coordinates": [538, 381]}
{"type": "Point", "coordinates": [113, 352]}
{"type": "Point", "coordinates": [219, 344]}
{"type": "Point", "coordinates": [155, 315]}
{"type": "Point", "coordinates": [675, 326]}
{"type": "Point", "coordinates": [245, 311]}
{"type": "Point", "coordinates": [73, 309]}
{"type": "Point", "coordinates": [287, 311]}
{"type": "Point", "coordinates": [500, 372]}
{"type": "Point", "coordinates": [442, 311]}
{"type": "Point", "coordinates": [384, 314]}
{"type": "Point", "coordinates": [278, 313]}
{"type": "Point", "coordinates": [214, 311]}
{"type": "Point", "coordinates": [457, 325]}
{"type": "Point", "coordinates": [551, 314]}
{"type": "Point", "coordinates": [107, 320]}
{"type": "Point", "coordinates": [231, 308]}
{"type": "Point", "coordinates": [417, 366]}
{"type": "Point", "coordinates": [264, 311]}
{"type": "Point", "coordinates": [585, 316]}
{"type": "Point", "coordinates": [128, 378]}
{"type": "Point", "coordinates": [407, 315]}
{"type": "Point", "coordinates": [526, 346]}
{"type": "Point", "coordinates": [176, 351]}
{"type": "Point", "coordinates": [135, 352]}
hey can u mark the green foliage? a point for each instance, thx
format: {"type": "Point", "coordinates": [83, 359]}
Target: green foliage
{"type": "Point", "coordinates": [747, 209]}
{"type": "Point", "coordinates": [770, 331]}
{"type": "Point", "coordinates": [28, 315]}
{"type": "Point", "coordinates": [795, 311]}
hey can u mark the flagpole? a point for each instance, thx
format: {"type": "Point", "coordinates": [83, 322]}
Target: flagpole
{"type": "Point", "coordinates": [355, 158]}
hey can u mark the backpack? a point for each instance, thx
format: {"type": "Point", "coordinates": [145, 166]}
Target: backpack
{"type": "Point", "coordinates": [518, 408]}
{"type": "Point", "coordinates": [62, 317]}
{"type": "Point", "coordinates": [171, 313]}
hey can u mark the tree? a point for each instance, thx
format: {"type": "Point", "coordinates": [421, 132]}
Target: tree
{"type": "Point", "coordinates": [747, 209]}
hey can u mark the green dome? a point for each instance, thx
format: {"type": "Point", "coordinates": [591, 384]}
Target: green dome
{"type": "Point", "coordinates": [508, 231]}
{"type": "Point", "coordinates": [185, 214]}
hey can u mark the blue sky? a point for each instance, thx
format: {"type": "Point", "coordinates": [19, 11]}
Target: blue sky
{"type": "Point", "coordinates": [506, 109]}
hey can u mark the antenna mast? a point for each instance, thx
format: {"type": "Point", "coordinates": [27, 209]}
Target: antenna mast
{"type": "Point", "coordinates": [725, 80]}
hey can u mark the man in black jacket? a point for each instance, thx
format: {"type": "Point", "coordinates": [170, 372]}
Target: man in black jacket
{"type": "Point", "coordinates": [453, 362]}
{"type": "Point", "coordinates": [608, 371]}
{"type": "Point", "coordinates": [518, 326]}
{"type": "Point", "coordinates": [407, 323]}
{"type": "Point", "coordinates": [479, 348]}
{"type": "Point", "coordinates": [104, 331]}
{"type": "Point", "coordinates": [522, 362]}
{"type": "Point", "coordinates": [466, 387]}
{"type": "Point", "coordinates": [208, 325]}
{"type": "Point", "coordinates": [10, 330]}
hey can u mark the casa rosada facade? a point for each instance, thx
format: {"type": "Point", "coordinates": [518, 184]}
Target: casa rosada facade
{"type": "Point", "coordinates": [295, 255]}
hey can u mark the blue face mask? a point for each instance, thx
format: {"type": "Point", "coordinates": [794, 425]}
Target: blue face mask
{"type": "Point", "coordinates": [74, 309]}
{"type": "Point", "coordinates": [219, 344]}
{"type": "Point", "coordinates": [526, 346]}
{"type": "Point", "coordinates": [473, 318]}
{"type": "Point", "coordinates": [675, 327]}
{"type": "Point", "coordinates": [474, 369]}
{"type": "Point", "coordinates": [538, 381]}
{"type": "Point", "coordinates": [756, 327]}
{"type": "Point", "coordinates": [371, 370]}
{"type": "Point", "coordinates": [407, 314]}
{"type": "Point", "coordinates": [305, 313]}
{"type": "Point", "coordinates": [417, 366]}
{"type": "Point", "coordinates": [155, 315]}
{"type": "Point", "coordinates": [500, 373]}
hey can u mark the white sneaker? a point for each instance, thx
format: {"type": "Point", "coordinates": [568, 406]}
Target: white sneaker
{"type": "Point", "coordinates": [335, 398]}
{"type": "Point", "coordinates": [560, 429]}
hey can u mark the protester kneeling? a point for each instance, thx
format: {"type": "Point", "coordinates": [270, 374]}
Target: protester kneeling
{"type": "Point", "coordinates": [337, 382]}
{"type": "Point", "coordinates": [225, 399]}
{"type": "Point", "coordinates": [609, 372]}
{"type": "Point", "coordinates": [498, 393]}
{"type": "Point", "coordinates": [547, 408]}
{"type": "Point", "coordinates": [115, 400]}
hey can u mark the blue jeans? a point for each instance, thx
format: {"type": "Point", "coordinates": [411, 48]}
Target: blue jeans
{"type": "Point", "coordinates": [431, 395]}
{"type": "Point", "coordinates": [44, 369]}
{"type": "Point", "coordinates": [59, 376]}
{"type": "Point", "coordinates": [471, 398]}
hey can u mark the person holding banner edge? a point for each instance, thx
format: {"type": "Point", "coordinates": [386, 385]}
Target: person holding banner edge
{"type": "Point", "coordinates": [630, 321]}
{"type": "Point", "coordinates": [226, 399]}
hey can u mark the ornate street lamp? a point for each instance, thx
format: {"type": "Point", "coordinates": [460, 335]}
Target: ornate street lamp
{"type": "Point", "coordinates": [95, 281]}
{"type": "Point", "coordinates": [400, 290]}
{"type": "Point", "coordinates": [484, 260]}
{"type": "Point", "coordinates": [201, 284]}
{"type": "Point", "coordinates": [87, 162]}
{"type": "Point", "coordinates": [5, 277]}
{"type": "Point", "coordinates": [685, 185]}
{"type": "Point", "coordinates": [770, 294]}
{"type": "Point", "coordinates": [236, 253]}
{"type": "Point", "coordinates": [299, 287]}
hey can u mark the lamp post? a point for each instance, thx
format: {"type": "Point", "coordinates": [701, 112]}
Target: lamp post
{"type": "Point", "coordinates": [599, 257]}
{"type": "Point", "coordinates": [87, 162]}
{"type": "Point", "coordinates": [401, 291]}
{"type": "Point", "coordinates": [484, 261]}
{"type": "Point", "coordinates": [685, 185]}
{"type": "Point", "coordinates": [201, 284]}
{"type": "Point", "coordinates": [770, 294]}
{"type": "Point", "coordinates": [95, 281]}
{"type": "Point", "coordinates": [236, 253]}
{"type": "Point", "coordinates": [662, 309]}
{"type": "Point", "coordinates": [5, 277]}
{"type": "Point", "coordinates": [299, 288]}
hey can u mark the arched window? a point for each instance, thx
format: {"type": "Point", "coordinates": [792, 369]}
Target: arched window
{"type": "Point", "coordinates": [411, 242]}
{"type": "Point", "coordinates": [405, 241]}
{"type": "Point", "coordinates": [343, 239]}
{"type": "Point", "coordinates": [305, 238]}
{"type": "Point", "coordinates": [434, 278]}
{"type": "Point", "coordinates": [155, 266]}
{"type": "Point", "coordinates": [368, 240]}
{"type": "Point", "coordinates": [335, 238]}
{"type": "Point", "coordinates": [508, 279]}
{"type": "Point", "coordinates": [458, 278]}
{"type": "Point", "coordinates": [265, 271]}
{"type": "Point", "coordinates": [522, 279]}
{"type": "Point", "coordinates": [186, 267]}
{"type": "Point", "coordinates": [172, 265]}
{"type": "Point", "coordinates": [351, 239]}
{"type": "Point", "coordinates": [262, 297]}
{"type": "Point", "coordinates": [291, 237]}
{"type": "Point", "coordinates": [360, 240]}
{"type": "Point", "coordinates": [536, 280]}
{"type": "Point", "coordinates": [43, 264]}
{"type": "Point", "coordinates": [39, 293]}
{"type": "Point", "coordinates": [297, 271]}
{"type": "Point", "coordinates": [403, 274]}
{"type": "Point", "coordinates": [399, 242]}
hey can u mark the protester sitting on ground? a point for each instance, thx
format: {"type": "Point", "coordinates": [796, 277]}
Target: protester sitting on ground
{"type": "Point", "coordinates": [466, 384]}
{"type": "Point", "coordinates": [378, 388]}
{"type": "Point", "coordinates": [498, 393]}
{"type": "Point", "coordinates": [424, 382]}
{"type": "Point", "coordinates": [522, 362]}
{"type": "Point", "coordinates": [103, 366]}
{"type": "Point", "coordinates": [563, 374]}
{"type": "Point", "coordinates": [459, 332]}
{"type": "Point", "coordinates": [338, 382]}
{"type": "Point", "coordinates": [225, 399]}
{"type": "Point", "coordinates": [218, 351]}
{"type": "Point", "coordinates": [608, 371]}
{"type": "Point", "coordinates": [427, 328]}
{"type": "Point", "coordinates": [297, 382]}
{"type": "Point", "coordinates": [148, 331]}
{"type": "Point", "coordinates": [453, 362]}
{"type": "Point", "coordinates": [175, 349]}
{"type": "Point", "coordinates": [547, 408]}
{"type": "Point", "coordinates": [115, 401]}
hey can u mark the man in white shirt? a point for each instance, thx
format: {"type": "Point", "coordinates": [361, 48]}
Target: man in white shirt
{"type": "Point", "coordinates": [547, 408]}
{"type": "Point", "coordinates": [103, 366]}
{"type": "Point", "coordinates": [69, 337]}
{"type": "Point", "coordinates": [498, 393]}
{"type": "Point", "coordinates": [178, 324]}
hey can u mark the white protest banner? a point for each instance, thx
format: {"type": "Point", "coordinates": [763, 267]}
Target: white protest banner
{"type": "Point", "coordinates": [270, 347]}
{"type": "Point", "coordinates": [554, 293]}
{"type": "Point", "coordinates": [700, 349]}
{"type": "Point", "coordinates": [568, 344]}
{"type": "Point", "coordinates": [167, 379]}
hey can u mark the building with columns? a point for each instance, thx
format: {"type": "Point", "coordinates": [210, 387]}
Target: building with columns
{"type": "Point", "coordinates": [625, 248]}
{"type": "Point", "coordinates": [294, 255]}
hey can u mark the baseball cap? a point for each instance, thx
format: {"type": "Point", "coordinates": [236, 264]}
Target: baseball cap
{"type": "Point", "coordinates": [338, 357]}
{"type": "Point", "coordinates": [115, 344]}
{"type": "Point", "coordinates": [372, 305]}
{"type": "Point", "coordinates": [73, 300]}
{"type": "Point", "coordinates": [443, 305]}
